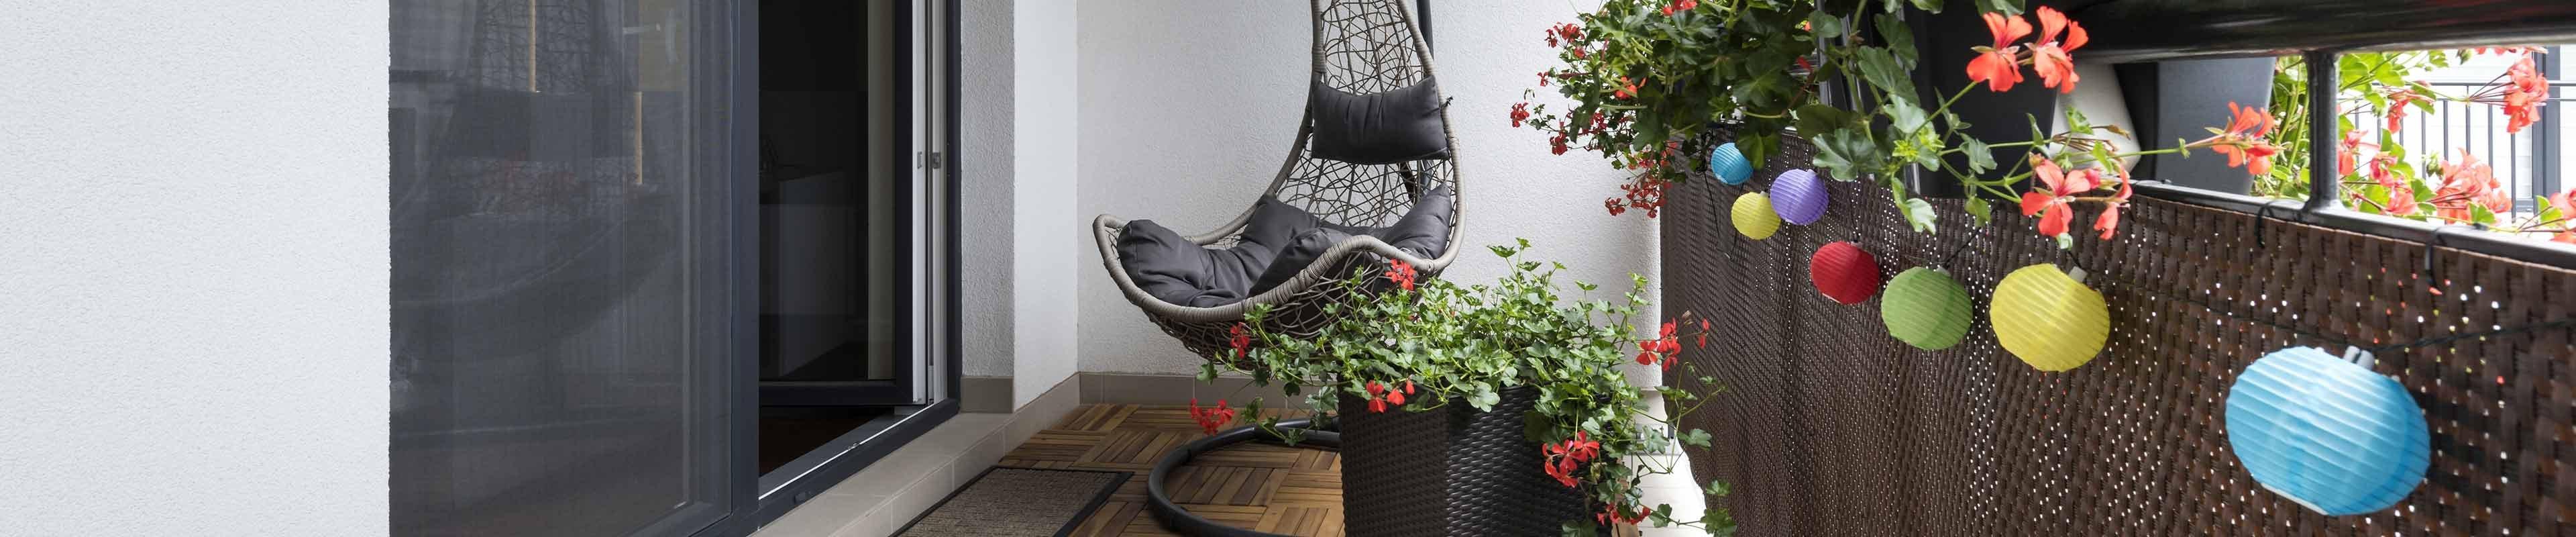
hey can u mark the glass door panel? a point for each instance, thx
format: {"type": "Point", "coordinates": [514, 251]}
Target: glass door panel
{"type": "Point", "coordinates": [842, 203]}
{"type": "Point", "coordinates": [561, 280]}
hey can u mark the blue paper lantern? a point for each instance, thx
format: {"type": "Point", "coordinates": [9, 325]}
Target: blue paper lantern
{"type": "Point", "coordinates": [2327, 433]}
{"type": "Point", "coordinates": [1728, 164]}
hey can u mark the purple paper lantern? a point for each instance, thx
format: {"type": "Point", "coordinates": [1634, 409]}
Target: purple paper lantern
{"type": "Point", "coordinates": [1798, 196]}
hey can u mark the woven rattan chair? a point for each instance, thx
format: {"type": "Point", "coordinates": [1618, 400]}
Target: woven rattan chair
{"type": "Point", "coordinates": [1361, 47]}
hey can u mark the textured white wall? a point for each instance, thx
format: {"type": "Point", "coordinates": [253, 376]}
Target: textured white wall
{"type": "Point", "coordinates": [1187, 111]}
{"type": "Point", "coordinates": [986, 96]}
{"type": "Point", "coordinates": [193, 268]}
{"type": "Point", "coordinates": [1048, 234]}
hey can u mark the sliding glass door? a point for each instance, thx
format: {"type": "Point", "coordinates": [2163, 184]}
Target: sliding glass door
{"type": "Point", "coordinates": [566, 273]}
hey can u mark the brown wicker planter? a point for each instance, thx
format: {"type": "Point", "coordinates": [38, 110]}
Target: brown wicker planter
{"type": "Point", "coordinates": [1453, 471]}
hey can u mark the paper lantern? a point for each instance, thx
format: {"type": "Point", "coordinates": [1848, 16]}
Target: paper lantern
{"type": "Point", "coordinates": [2049, 320]}
{"type": "Point", "coordinates": [2327, 433]}
{"type": "Point", "coordinates": [1753, 216]}
{"type": "Point", "coordinates": [1925, 308]}
{"type": "Point", "coordinates": [1728, 164]}
{"type": "Point", "coordinates": [1798, 196]}
{"type": "Point", "coordinates": [1844, 272]}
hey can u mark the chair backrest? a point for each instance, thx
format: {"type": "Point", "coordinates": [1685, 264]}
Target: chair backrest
{"type": "Point", "coordinates": [1363, 47]}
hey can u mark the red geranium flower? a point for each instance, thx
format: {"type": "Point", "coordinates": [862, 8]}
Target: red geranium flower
{"type": "Point", "coordinates": [1520, 111]}
{"type": "Point", "coordinates": [2048, 57]}
{"type": "Point", "coordinates": [1211, 418]}
{"type": "Point", "coordinates": [1242, 339]}
{"type": "Point", "coordinates": [1627, 89]}
{"type": "Point", "coordinates": [2051, 204]}
{"type": "Point", "coordinates": [1401, 273]}
{"type": "Point", "coordinates": [2110, 219]}
{"type": "Point", "coordinates": [2397, 101]}
{"type": "Point", "coordinates": [1998, 65]}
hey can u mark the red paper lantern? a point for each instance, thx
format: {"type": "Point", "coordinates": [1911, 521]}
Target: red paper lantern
{"type": "Point", "coordinates": [1844, 273]}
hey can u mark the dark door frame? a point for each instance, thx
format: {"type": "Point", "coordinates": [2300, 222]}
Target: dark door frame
{"type": "Point", "coordinates": [739, 50]}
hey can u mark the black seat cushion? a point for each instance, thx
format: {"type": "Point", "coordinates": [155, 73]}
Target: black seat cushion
{"type": "Point", "coordinates": [1378, 128]}
{"type": "Point", "coordinates": [1174, 270]}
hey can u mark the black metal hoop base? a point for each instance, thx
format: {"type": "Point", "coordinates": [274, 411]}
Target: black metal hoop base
{"type": "Point", "coordinates": [1181, 521]}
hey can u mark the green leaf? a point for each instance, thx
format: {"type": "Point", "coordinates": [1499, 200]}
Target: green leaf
{"type": "Point", "coordinates": [1825, 23]}
{"type": "Point", "coordinates": [1980, 158]}
{"type": "Point", "coordinates": [1897, 36]}
{"type": "Point", "coordinates": [1918, 213]}
{"type": "Point", "coordinates": [1695, 438]}
{"type": "Point", "coordinates": [2478, 213]}
{"type": "Point", "coordinates": [1978, 208]}
{"type": "Point", "coordinates": [1717, 488]}
{"type": "Point", "coordinates": [1757, 148]}
{"type": "Point", "coordinates": [1882, 69]}
{"type": "Point", "coordinates": [1906, 117]}
{"type": "Point", "coordinates": [1848, 154]}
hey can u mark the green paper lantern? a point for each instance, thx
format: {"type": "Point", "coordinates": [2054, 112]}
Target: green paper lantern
{"type": "Point", "coordinates": [1925, 308]}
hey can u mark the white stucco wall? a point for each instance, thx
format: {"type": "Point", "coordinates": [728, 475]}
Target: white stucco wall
{"type": "Point", "coordinates": [984, 166]}
{"type": "Point", "coordinates": [193, 268]}
{"type": "Point", "coordinates": [1048, 235]}
{"type": "Point", "coordinates": [1188, 110]}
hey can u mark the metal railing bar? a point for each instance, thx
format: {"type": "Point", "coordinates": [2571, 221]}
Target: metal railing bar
{"type": "Point", "coordinates": [2322, 176]}
{"type": "Point", "coordinates": [2513, 247]}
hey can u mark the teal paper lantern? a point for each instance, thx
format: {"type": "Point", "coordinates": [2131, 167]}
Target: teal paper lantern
{"type": "Point", "coordinates": [1728, 164]}
{"type": "Point", "coordinates": [2327, 433]}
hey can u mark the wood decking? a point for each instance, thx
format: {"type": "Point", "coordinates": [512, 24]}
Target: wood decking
{"type": "Point", "coordinates": [1296, 491]}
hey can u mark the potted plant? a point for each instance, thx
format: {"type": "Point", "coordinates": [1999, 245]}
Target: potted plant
{"type": "Point", "coordinates": [1486, 409]}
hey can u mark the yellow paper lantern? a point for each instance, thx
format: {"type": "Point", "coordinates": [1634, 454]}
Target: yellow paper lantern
{"type": "Point", "coordinates": [2049, 320]}
{"type": "Point", "coordinates": [1753, 216]}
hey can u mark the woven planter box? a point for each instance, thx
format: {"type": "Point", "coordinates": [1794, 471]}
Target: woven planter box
{"type": "Point", "coordinates": [1453, 471]}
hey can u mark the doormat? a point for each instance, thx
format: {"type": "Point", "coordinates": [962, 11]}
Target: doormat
{"type": "Point", "coordinates": [1018, 501]}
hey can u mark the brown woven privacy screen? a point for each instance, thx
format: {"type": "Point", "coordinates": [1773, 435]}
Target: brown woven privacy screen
{"type": "Point", "coordinates": [1830, 427]}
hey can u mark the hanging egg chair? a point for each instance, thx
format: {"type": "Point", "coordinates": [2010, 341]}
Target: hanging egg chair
{"type": "Point", "coordinates": [1343, 169]}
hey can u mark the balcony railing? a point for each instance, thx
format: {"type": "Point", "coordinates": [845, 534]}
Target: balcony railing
{"type": "Point", "coordinates": [2157, 30]}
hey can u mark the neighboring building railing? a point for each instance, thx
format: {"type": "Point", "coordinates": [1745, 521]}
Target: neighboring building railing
{"type": "Point", "coordinates": [2530, 163]}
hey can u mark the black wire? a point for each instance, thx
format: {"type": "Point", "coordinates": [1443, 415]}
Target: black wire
{"type": "Point", "coordinates": [2328, 338]}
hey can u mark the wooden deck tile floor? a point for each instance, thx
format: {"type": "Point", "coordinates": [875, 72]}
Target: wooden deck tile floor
{"type": "Point", "coordinates": [1265, 487]}
{"type": "Point", "coordinates": [1296, 491]}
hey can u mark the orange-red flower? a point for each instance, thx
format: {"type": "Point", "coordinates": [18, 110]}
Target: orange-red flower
{"type": "Point", "coordinates": [2243, 142]}
{"type": "Point", "coordinates": [1211, 418]}
{"type": "Point", "coordinates": [1401, 273]}
{"type": "Point", "coordinates": [2348, 153]}
{"type": "Point", "coordinates": [2110, 219]}
{"type": "Point", "coordinates": [1999, 66]}
{"type": "Point", "coordinates": [1627, 89]}
{"type": "Point", "coordinates": [2464, 182]}
{"type": "Point", "coordinates": [2049, 58]}
{"type": "Point", "coordinates": [2060, 188]}
{"type": "Point", "coordinates": [2397, 101]}
{"type": "Point", "coordinates": [2523, 95]}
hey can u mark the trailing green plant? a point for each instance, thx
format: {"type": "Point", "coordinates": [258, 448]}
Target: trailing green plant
{"type": "Point", "coordinates": [1647, 79]}
{"type": "Point", "coordinates": [1408, 345]}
